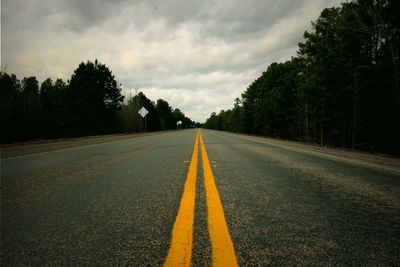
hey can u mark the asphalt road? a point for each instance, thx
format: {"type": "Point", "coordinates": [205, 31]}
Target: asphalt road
{"type": "Point", "coordinates": [112, 201]}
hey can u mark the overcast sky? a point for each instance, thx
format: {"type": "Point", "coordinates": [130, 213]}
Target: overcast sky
{"type": "Point", "coordinates": [198, 55]}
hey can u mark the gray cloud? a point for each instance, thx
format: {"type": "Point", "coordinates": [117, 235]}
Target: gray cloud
{"type": "Point", "coordinates": [197, 55]}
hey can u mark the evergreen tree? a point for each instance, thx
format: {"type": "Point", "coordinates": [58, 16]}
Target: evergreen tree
{"type": "Point", "coordinates": [93, 98]}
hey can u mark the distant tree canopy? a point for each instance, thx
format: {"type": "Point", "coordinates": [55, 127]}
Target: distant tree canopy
{"type": "Point", "coordinates": [90, 103]}
{"type": "Point", "coordinates": [161, 115]}
{"type": "Point", "coordinates": [342, 89]}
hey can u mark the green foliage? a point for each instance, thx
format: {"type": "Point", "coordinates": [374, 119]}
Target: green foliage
{"type": "Point", "coordinates": [128, 117]}
{"type": "Point", "coordinates": [10, 107]}
{"type": "Point", "coordinates": [185, 122]}
{"type": "Point", "coordinates": [93, 97]}
{"type": "Point", "coordinates": [342, 89]}
{"type": "Point", "coordinates": [167, 119]}
{"type": "Point", "coordinates": [53, 107]}
{"type": "Point", "coordinates": [161, 116]}
{"type": "Point", "coordinates": [90, 103]}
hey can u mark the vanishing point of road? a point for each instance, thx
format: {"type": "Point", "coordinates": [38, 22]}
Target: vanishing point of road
{"type": "Point", "coordinates": [197, 197]}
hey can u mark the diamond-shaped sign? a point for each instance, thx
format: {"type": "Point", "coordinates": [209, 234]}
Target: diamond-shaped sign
{"type": "Point", "coordinates": [143, 112]}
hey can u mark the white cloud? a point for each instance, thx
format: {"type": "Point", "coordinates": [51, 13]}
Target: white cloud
{"type": "Point", "coordinates": [197, 55]}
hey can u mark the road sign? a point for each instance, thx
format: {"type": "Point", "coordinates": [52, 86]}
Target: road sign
{"type": "Point", "coordinates": [143, 112]}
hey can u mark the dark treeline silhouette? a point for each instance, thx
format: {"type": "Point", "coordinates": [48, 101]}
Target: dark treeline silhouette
{"type": "Point", "coordinates": [89, 103]}
{"type": "Point", "coordinates": [342, 88]}
{"type": "Point", "coordinates": [161, 116]}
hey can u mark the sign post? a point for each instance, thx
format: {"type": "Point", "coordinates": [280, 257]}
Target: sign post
{"type": "Point", "coordinates": [143, 112]}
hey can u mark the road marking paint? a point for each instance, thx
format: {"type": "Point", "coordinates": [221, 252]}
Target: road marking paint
{"type": "Point", "coordinates": [186, 161]}
{"type": "Point", "coordinates": [180, 251]}
{"type": "Point", "coordinates": [223, 252]}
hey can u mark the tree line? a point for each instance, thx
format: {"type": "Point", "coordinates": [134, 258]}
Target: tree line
{"type": "Point", "coordinates": [341, 89]}
{"type": "Point", "coordinates": [90, 103]}
{"type": "Point", "coordinates": [161, 116]}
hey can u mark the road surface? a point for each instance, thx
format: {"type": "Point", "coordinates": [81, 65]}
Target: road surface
{"type": "Point", "coordinates": [112, 201]}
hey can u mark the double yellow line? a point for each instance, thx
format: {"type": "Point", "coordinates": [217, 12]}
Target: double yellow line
{"type": "Point", "coordinates": [180, 251]}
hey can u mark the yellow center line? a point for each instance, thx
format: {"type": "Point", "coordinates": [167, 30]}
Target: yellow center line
{"type": "Point", "coordinates": [180, 251]}
{"type": "Point", "coordinates": [223, 252]}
